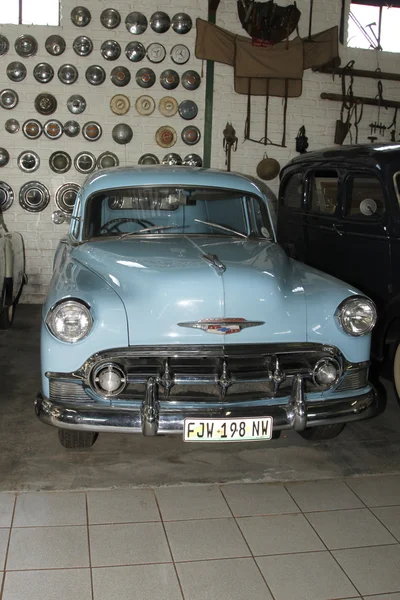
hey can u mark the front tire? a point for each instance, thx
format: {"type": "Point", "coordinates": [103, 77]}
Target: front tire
{"type": "Point", "coordinates": [396, 369]}
{"type": "Point", "coordinates": [323, 432]}
{"type": "Point", "coordinates": [77, 439]}
{"type": "Point", "coordinates": [7, 316]}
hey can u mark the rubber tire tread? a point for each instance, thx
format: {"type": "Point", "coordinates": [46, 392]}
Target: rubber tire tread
{"type": "Point", "coordinates": [77, 439]}
{"type": "Point", "coordinates": [322, 432]}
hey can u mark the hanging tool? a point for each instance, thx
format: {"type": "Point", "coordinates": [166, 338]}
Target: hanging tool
{"type": "Point", "coordinates": [230, 142]}
{"type": "Point", "coordinates": [394, 125]}
{"type": "Point", "coordinates": [342, 126]}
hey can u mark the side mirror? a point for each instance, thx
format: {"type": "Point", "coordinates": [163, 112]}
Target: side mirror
{"type": "Point", "coordinates": [58, 217]}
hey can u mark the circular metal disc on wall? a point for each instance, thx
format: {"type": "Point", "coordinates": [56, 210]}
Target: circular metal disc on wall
{"type": "Point", "coordinates": [28, 161]}
{"type": "Point", "coordinates": [191, 80]}
{"type": "Point", "coordinates": [32, 129]}
{"type": "Point", "coordinates": [120, 76]}
{"type": "Point", "coordinates": [145, 105]}
{"type": "Point", "coordinates": [71, 128]}
{"type": "Point", "coordinates": [11, 126]}
{"type": "Point", "coordinates": [181, 23]}
{"type": "Point", "coordinates": [120, 104]}
{"type": "Point", "coordinates": [106, 160]}
{"type": "Point", "coordinates": [95, 75]}
{"type": "Point", "coordinates": [55, 45]}
{"type": "Point", "coordinates": [16, 71]}
{"type": "Point", "coordinates": [4, 47]}
{"type": "Point", "coordinates": [53, 129]}
{"type": "Point", "coordinates": [180, 54]}
{"type": "Point", "coordinates": [148, 159]}
{"type": "Point", "coordinates": [122, 133]}
{"type": "Point", "coordinates": [4, 157]}
{"type": "Point", "coordinates": [166, 136]}
{"type": "Point", "coordinates": [66, 196]}
{"type": "Point", "coordinates": [172, 159]}
{"type": "Point", "coordinates": [68, 74]}
{"type": "Point", "coordinates": [168, 106]}
{"type": "Point", "coordinates": [8, 99]}
{"type": "Point", "coordinates": [43, 72]}
{"type": "Point", "coordinates": [80, 16]}
{"type": "Point", "coordinates": [190, 135]}
{"type": "Point", "coordinates": [135, 51]}
{"type": "Point", "coordinates": [6, 196]}
{"type": "Point", "coordinates": [76, 104]}
{"type": "Point", "coordinates": [136, 23]}
{"type": "Point", "coordinates": [82, 45]}
{"type": "Point", "coordinates": [85, 162]}
{"type": "Point", "coordinates": [92, 131]}
{"type": "Point", "coordinates": [169, 79]}
{"type": "Point", "coordinates": [45, 104]}
{"type": "Point", "coordinates": [34, 196]}
{"type": "Point", "coordinates": [110, 18]}
{"type": "Point", "coordinates": [188, 110]}
{"type": "Point", "coordinates": [60, 162]}
{"type": "Point", "coordinates": [145, 78]}
{"type": "Point", "coordinates": [156, 52]}
{"type": "Point", "coordinates": [193, 160]}
{"type": "Point", "coordinates": [110, 50]}
{"type": "Point", "coordinates": [160, 22]}
{"type": "Point", "coordinates": [26, 46]}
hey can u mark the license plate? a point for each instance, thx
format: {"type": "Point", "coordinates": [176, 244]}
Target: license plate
{"type": "Point", "coordinates": [227, 430]}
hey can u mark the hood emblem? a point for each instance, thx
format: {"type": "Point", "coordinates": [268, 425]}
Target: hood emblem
{"type": "Point", "coordinates": [215, 263]}
{"type": "Point", "coordinates": [222, 326]}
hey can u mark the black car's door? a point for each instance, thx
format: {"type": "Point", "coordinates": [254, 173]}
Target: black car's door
{"type": "Point", "coordinates": [322, 223]}
{"type": "Point", "coordinates": [291, 207]}
{"type": "Point", "coordinates": [364, 235]}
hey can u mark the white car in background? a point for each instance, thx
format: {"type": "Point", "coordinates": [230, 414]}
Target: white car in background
{"type": "Point", "coordinates": [12, 273]}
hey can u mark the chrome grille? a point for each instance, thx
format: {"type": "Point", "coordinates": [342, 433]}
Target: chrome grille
{"type": "Point", "coordinates": [354, 379]}
{"type": "Point", "coordinates": [67, 391]}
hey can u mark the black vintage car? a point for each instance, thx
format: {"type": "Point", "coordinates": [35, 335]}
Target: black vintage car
{"type": "Point", "coordinates": [339, 211]}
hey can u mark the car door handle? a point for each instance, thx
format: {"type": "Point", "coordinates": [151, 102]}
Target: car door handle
{"type": "Point", "coordinates": [338, 230]}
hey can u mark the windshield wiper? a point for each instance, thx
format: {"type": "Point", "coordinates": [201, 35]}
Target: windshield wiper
{"type": "Point", "coordinates": [218, 226]}
{"type": "Point", "coordinates": [125, 235]}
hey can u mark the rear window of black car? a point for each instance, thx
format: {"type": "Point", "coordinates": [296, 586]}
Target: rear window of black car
{"type": "Point", "coordinates": [293, 191]}
{"type": "Point", "coordinates": [324, 192]}
{"type": "Point", "coordinates": [365, 197]}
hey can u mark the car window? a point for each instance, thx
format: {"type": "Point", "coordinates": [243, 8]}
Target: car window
{"type": "Point", "coordinates": [324, 192]}
{"type": "Point", "coordinates": [365, 198]}
{"type": "Point", "coordinates": [293, 191]}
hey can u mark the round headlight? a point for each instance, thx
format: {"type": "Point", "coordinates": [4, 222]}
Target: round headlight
{"type": "Point", "coordinates": [70, 321]}
{"type": "Point", "coordinates": [109, 379]}
{"type": "Point", "coordinates": [356, 315]}
{"type": "Point", "coordinates": [326, 372]}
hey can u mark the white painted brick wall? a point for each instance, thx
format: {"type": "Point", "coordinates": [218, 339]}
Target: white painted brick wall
{"type": "Point", "coordinates": [318, 116]}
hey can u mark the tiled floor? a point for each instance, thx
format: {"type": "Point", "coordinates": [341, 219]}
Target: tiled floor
{"type": "Point", "coordinates": [316, 540]}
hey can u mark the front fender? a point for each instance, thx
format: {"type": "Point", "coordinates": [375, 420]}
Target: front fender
{"type": "Point", "coordinates": [110, 328]}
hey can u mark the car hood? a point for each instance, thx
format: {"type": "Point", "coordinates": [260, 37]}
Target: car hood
{"type": "Point", "coordinates": [163, 281]}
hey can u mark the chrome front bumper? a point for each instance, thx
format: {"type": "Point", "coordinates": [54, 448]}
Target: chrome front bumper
{"type": "Point", "coordinates": [152, 416]}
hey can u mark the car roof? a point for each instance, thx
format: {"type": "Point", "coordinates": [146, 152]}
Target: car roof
{"type": "Point", "coordinates": [144, 175]}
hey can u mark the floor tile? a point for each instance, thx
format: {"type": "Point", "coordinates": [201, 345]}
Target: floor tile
{"type": "Point", "coordinates": [69, 584]}
{"type": "Point", "coordinates": [372, 570]}
{"type": "Point", "coordinates": [129, 544]}
{"type": "Point", "coordinates": [144, 582]}
{"type": "Point", "coordinates": [233, 579]}
{"type": "Point", "coordinates": [48, 548]}
{"type": "Point", "coordinates": [310, 576]}
{"type": "Point", "coordinates": [213, 538]}
{"type": "Point", "coordinates": [395, 596]}
{"type": "Point", "coordinates": [382, 490]}
{"type": "Point", "coordinates": [122, 506]}
{"type": "Point", "coordinates": [6, 509]}
{"type": "Point", "coordinates": [4, 535]}
{"type": "Point", "coordinates": [192, 502]}
{"type": "Point", "coordinates": [326, 494]}
{"type": "Point", "coordinates": [279, 534]}
{"type": "Point", "coordinates": [249, 499]}
{"type": "Point", "coordinates": [50, 508]}
{"type": "Point", "coordinates": [350, 528]}
{"type": "Point", "coordinates": [390, 517]}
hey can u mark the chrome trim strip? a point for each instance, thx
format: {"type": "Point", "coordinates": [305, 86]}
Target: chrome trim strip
{"type": "Point", "coordinates": [204, 324]}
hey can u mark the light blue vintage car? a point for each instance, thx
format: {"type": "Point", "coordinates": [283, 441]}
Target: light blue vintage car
{"type": "Point", "coordinates": [172, 310]}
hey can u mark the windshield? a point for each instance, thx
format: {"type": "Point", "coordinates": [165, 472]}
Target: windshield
{"type": "Point", "coordinates": [127, 212]}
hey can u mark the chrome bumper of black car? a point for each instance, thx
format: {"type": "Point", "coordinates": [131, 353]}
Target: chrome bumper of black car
{"type": "Point", "coordinates": [152, 416]}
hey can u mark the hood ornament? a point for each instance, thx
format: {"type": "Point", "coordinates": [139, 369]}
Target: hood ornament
{"type": "Point", "coordinates": [215, 263]}
{"type": "Point", "coordinates": [221, 326]}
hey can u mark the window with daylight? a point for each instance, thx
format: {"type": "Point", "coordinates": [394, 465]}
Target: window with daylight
{"type": "Point", "coordinates": [29, 12]}
{"type": "Point", "coordinates": [374, 24]}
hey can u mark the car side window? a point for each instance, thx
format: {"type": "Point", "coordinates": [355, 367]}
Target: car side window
{"type": "Point", "coordinates": [365, 197]}
{"type": "Point", "coordinates": [324, 192]}
{"type": "Point", "coordinates": [293, 191]}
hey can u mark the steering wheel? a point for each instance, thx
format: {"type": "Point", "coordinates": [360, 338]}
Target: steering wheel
{"type": "Point", "coordinates": [115, 222]}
